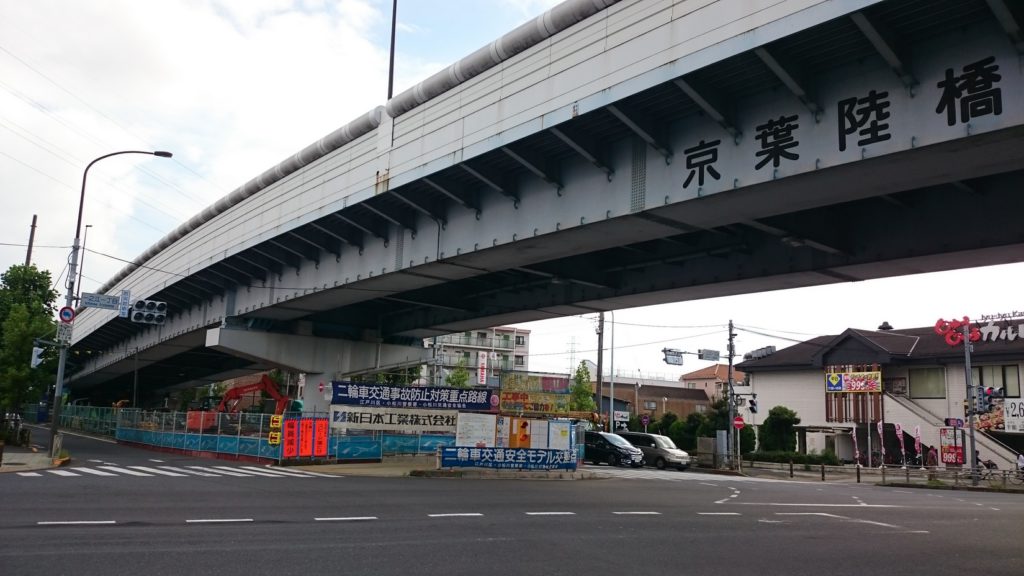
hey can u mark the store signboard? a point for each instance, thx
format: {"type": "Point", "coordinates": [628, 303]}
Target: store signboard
{"type": "Point", "coordinates": [951, 446]}
{"type": "Point", "coordinates": [853, 382]}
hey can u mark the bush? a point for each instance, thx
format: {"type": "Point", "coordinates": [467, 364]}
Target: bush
{"type": "Point", "coordinates": [828, 458]}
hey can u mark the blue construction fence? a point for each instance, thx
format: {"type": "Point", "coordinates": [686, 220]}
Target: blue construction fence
{"type": "Point", "coordinates": [249, 435]}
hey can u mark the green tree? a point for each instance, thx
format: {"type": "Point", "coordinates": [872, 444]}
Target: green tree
{"type": "Point", "coordinates": [581, 395]}
{"type": "Point", "coordinates": [19, 382]}
{"type": "Point", "coordinates": [778, 432]}
{"type": "Point", "coordinates": [458, 377]}
{"type": "Point", "coordinates": [664, 424]}
{"type": "Point", "coordinates": [684, 432]}
{"type": "Point", "coordinates": [26, 313]}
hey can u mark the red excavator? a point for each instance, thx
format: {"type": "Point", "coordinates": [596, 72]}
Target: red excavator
{"type": "Point", "coordinates": [205, 419]}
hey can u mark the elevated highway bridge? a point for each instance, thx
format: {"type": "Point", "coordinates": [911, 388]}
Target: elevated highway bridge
{"type": "Point", "coordinates": [608, 154]}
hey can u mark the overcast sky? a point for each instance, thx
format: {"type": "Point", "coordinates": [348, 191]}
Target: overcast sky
{"type": "Point", "coordinates": [232, 87]}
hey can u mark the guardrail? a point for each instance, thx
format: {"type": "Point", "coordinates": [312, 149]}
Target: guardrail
{"type": "Point", "coordinates": [937, 477]}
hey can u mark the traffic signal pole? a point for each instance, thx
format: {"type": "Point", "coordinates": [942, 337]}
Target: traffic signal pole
{"type": "Point", "coordinates": [972, 402]}
{"type": "Point", "coordinates": [732, 406]}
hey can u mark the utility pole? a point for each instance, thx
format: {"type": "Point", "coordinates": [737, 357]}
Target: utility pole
{"type": "Point", "coordinates": [31, 241]}
{"type": "Point", "coordinates": [732, 404]}
{"type": "Point", "coordinates": [600, 361]}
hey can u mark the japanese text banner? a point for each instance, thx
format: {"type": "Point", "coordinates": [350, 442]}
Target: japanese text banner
{"type": "Point", "coordinates": [413, 397]}
{"type": "Point", "coordinates": [393, 419]}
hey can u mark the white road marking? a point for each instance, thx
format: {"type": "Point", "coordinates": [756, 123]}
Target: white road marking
{"type": "Point", "coordinates": [217, 520]}
{"type": "Point", "coordinates": [212, 472]}
{"type": "Point", "coordinates": [96, 461]}
{"type": "Point", "coordinates": [718, 513]}
{"type": "Point", "coordinates": [996, 509]}
{"type": "Point", "coordinates": [707, 484]}
{"type": "Point", "coordinates": [848, 519]}
{"type": "Point", "coordinates": [321, 474]}
{"type": "Point", "coordinates": [75, 522]}
{"type": "Point", "coordinates": [722, 501]}
{"type": "Point", "coordinates": [638, 513]}
{"type": "Point", "coordinates": [821, 505]}
{"type": "Point", "coordinates": [346, 519]}
{"type": "Point", "coordinates": [29, 474]}
{"type": "Point", "coordinates": [257, 472]}
{"type": "Point", "coordinates": [186, 471]}
{"type": "Point", "coordinates": [275, 471]}
{"type": "Point", "coordinates": [91, 471]}
{"type": "Point", "coordinates": [155, 460]}
{"type": "Point", "coordinates": [550, 513]}
{"type": "Point", "coordinates": [124, 471]}
{"type": "Point", "coordinates": [62, 473]}
{"type": "Point", "coordinates": [462, 515]}
{"type": "Point", "coordinates": [157, 471]}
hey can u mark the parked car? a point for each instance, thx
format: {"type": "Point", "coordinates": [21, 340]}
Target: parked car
{"type": "Point", "coordinates": [659, 451]}
{"type": "Point", "coordinates": [611, 449]}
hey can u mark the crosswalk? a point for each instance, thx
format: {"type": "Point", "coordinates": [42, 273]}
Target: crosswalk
{"type": "Point", "coordinates": [112, 470]}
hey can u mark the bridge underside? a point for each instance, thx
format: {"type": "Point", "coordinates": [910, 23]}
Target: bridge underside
{"type": "Point", "coordinates": [943, 206]}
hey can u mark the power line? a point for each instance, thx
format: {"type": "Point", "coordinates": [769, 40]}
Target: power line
{"type": "Point", "coordinates": [532, 355]}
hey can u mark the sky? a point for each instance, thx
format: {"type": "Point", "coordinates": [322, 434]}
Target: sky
{"type": "Point", "coordinates": [232, 87]}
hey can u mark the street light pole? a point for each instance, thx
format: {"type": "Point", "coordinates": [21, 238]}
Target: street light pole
{"type": "Point", "coordinates": [85, 240]}
{"type": "Point", "coordinates": [70, 295]}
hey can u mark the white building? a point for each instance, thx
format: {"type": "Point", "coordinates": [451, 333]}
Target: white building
{"type": "Point", "coordinates": [922, 380]}
{"type": "Point", "coordinates": [485, 353]}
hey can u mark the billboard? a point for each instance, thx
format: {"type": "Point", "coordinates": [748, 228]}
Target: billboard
{"type": "Point", "coordinates": [412, 420]}
{"type": "Point", "coordinates": [527, 382]}
{"type": "Point", "coordinates": [386, 395]}
{"type": "Point", "coordinates": [508, 458]}
{"type": "Point", "coordinates": [534, 402]}
{"type": "Point", "coordinates": [853, 382]}
{"type": "Point", "coordinates": [951, 446]}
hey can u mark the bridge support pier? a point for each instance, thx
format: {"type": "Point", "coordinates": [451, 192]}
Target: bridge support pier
{"type": "Point", "coordinates": [321, 359]}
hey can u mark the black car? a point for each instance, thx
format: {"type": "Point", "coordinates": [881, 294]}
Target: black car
{"type": "Point", "coordinates": [611, 449]}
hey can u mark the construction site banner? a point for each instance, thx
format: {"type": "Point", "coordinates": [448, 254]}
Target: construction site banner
{"type": "Point", "coordinates": [534, 403]}
{"type": "Point", "coordinates": [533, 382]}
{"type": "Point", "coordinates": [508, 458]}
{"type": "Point", "coordinates": [386, 395]}
{"type": "Point", "coordinates": [414, 420]}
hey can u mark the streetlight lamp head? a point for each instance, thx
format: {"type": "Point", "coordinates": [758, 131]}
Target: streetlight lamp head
{"type": "Point", "coordinates": [163, 154]}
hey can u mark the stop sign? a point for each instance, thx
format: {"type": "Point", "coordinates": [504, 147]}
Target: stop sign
{"type": "Point", "coordinates": [738, 423]}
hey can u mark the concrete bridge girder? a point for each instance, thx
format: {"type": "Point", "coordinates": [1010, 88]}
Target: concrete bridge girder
{"type": "Point", "coordinates": [319, 358]}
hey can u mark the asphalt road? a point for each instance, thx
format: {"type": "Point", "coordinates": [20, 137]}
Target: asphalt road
{"type": "Point", "coordinates": [690, 523]}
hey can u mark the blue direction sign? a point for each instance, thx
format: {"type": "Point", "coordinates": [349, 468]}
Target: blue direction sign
{"type": "Point", "coordinates": [90, 300]}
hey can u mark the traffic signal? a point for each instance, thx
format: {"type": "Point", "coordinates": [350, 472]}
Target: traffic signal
{"type": "Point", "coordinates": [752, 405]}
{"type": "Point", "coordinates": [989, 400]}
{"type": "Point", "coordinates": [37, 356]}
{"type": "Point", "coordinates": [149, 312]}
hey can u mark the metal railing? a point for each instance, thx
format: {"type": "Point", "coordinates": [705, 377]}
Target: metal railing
{"type": "Point", "coordinates": [90, 419]}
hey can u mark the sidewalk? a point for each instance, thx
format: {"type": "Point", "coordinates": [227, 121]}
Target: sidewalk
{"type": "Point", "coordinates": [23, 459]}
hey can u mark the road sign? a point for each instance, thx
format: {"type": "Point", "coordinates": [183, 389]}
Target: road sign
{"type": "Point", "coordinates": [64, 333]}
{"type": "Point", "coordinates": [124, 305]}
{"type": "Point", "coordinates": [645, 419]}
{"type": "Point", "coordinates": [738, 423]}
{"type": "Point", "coordinates": [90, 300]}
{"type": "Point", "coordinates": [67, 314]}
{"type": "Point", "coordinates": [955, 422]}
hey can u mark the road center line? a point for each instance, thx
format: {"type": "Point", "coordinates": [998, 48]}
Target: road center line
{"type": "Point", "coordinates": [638, 513]}
{"type": "Point", "coordinates": [457, 515]}
{"type": "Point", "coordinates": [550, 513]}
{"type": "Point", "coordinates": [346, 519]}
{"type": "Point", "coordinates": [217, 520]}
{"type": "Point", "coordinates": [817, 505]}
{"type": "Point", "coordinates": [75, 522]}
{"type": "Point", "coordinates": [718, 513]}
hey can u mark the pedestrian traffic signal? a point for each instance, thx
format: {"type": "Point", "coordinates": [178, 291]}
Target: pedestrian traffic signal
{"type": "Point", "coordinates": [149, 312]}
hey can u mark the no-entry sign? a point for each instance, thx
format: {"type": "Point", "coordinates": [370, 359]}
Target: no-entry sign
{"type": "Point", "coordinates": [738, 422]}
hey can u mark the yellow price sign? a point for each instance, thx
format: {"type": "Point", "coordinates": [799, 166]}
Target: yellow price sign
{"type": "Point", "coordinates": [275, 422]}
{"type": "Point", "coordinates": [274, 438]}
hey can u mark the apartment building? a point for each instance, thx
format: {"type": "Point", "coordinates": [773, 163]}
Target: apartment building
{"type": "Point", "coordinates": [485, 353]}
